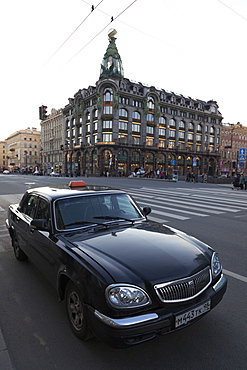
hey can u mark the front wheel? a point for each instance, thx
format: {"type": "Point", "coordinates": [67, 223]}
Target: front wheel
{"type": "Point", "coordinates": [19, 254]}
{"type": "Point", "coordinates": [76, 312]}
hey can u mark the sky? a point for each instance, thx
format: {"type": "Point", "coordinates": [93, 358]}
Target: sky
{"type": "Point", "coordinates": [52, 48]}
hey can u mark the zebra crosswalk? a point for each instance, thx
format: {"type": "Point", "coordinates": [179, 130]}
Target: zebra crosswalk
{"type": "Point", "coordinates": [184, 204]}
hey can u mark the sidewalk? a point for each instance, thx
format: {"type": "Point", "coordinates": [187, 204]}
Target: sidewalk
{"type": "Point", "coordinates": [5, 362]}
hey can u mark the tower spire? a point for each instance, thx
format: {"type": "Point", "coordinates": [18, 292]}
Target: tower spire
{"type": "Point", "coordinates": [112, 64]}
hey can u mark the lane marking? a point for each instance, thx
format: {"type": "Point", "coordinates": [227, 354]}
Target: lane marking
{"type": "Point", "coordinates": [172, 209]}
{"type": "Point", "coordinates": [236, 276]}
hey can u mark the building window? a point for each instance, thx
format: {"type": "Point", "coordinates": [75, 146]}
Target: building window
{"type": "Point", "coordinates": [151, 103]}
{"type": "Point", "coordinates": [172, 123]}
{"type": "Point", "coordinates": [150, 117]}
{"type": "Point", "coordinates": [123, 100]}
{"type": "Point", "coordinates": [107, 138]}
{"type": "Point", "coordinates": [199, 128]}
{"type": "Point", "coordinates": [198, 138]}
{"type": "Point", "coordinates": [136, 127]}
{"type": "Point", "coordinates": [107, 124]}
{"type": "Point", "coordinates": [107, 109]}
{"type": "Point", "coordinates": [162, 121]}
{"type": "Point", "coordinates": [172, 133]}
{"type": "Point", "coordinates": [149, 141]}
{"type": "Point", "coordinates": [122, 139]}
{"type": "Point", "coordinates": [181, 125]}
{"type": "Point", "coordinates": [123, 113]}
{"type": "Point", "coordinates": [136, 116]}
{"type": "Point", "coordinates": [190, 137]}
{"type": "Point", "coordinates": [108, 95]}
{"type": "Point", "coordinates": [123, 125]}
{"type": "Point", "coordinates": [162, 132]}
{"type": "Point", "coordinates": [190, 126]}
{"type": "Point", "coordinates": [136, 140]}
{"type": "Point", "coordinates": [137, 103]}
{"type": "Point", "coordinates": [161, 144]}
{"type": "Point", "coordinates": [181, 135]}
{"type": "Point", "coordinates": [163, 109]}
{"type": "Point", "coordinates": [150, 130]}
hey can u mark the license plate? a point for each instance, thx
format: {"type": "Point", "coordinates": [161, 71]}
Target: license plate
{"type": "Point", "coordinates": [186, 317]}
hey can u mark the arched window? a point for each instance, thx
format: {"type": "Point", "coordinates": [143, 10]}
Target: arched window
{"type": "Point", "coordinates": [181, 125]}
{"type": "Point", "coordinates": [150, 103]}
{"type": "Point", "coordinates": [150, 117]}
{"type": "Point", "coordinates": [199, 128]}
{"type": "Point", "coordinates": [190, 126]}
{"type": "Point", "coordinates": [108, 94]}
{"type": "Point", "coordinates": [172, 123]}
{"type": "Point", "coordinates": [136, 116]}
{"type": "Point", "coordinates": [123, 113]}
{"type": "Point", "coordinates": [162, 121]}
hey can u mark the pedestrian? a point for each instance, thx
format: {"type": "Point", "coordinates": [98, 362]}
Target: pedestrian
{"type": "Point", "coordinates": [245, 183]}
{"type": "Point", "coordinates": [241, 181]}
{"type": "Point", "coordinates": [235, 183]}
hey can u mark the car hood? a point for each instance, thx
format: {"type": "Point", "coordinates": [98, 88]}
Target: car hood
{"type": "Point", "coordinates": [150, 252]}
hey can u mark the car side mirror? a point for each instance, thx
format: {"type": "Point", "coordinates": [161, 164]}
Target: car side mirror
{"type": "Point", "coordinates": [38, 224]}
{"type": "Point", "coordinates": [146, 210]}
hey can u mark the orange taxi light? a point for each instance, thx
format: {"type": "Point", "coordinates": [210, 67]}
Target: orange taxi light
{"type": "Point", "coordinates": [77, 184]}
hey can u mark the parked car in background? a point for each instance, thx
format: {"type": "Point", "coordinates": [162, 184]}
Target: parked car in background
{"type": "Point", "coordinates": [125, 279]}
{"type": "Point", "coordinates": [6, 172]}
{"type": "Point", "coordinates": [37, 173]}
{"type": "Point", "coordinates": [53, 173]}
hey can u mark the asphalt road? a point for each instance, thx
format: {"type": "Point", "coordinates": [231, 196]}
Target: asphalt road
{"type": "Point", "coordinates": [34, 324]}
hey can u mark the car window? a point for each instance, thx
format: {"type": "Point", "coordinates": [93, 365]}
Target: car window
{"type": "Point", "coordinates": [30, 205]}
{"type": "Point", "coordinates": [43, 211]}
{"type": "Point", "coordinates": [70, 211]}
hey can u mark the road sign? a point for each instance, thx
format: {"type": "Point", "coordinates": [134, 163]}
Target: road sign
{"type": "Point", "coordinates": [242, 151]}
{"type": "Point", "coordinates": [241, 158]}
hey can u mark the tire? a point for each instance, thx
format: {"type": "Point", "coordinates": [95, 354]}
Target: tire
{"type": "Point", "coordinates": [76, 312]}
{"type": "Point", "coordinates": [19, 254]}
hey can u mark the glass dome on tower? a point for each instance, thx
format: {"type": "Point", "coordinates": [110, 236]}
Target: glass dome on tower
{"type": "Point", "coordinates": [112, 64]}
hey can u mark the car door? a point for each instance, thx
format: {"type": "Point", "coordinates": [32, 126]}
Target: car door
{"type": "Point", "coordinates": [39, 241]}
{"type": "Point", "coordinates": [22, 220]}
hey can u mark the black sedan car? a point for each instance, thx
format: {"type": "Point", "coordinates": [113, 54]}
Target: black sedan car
{"type": "Point", "coordinates": [124, 278]}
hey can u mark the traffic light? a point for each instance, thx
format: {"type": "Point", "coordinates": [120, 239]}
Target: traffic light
{"type": "Point", "coordinates": [43, 112]}
{"type": "Point", "coordinates": [61, 147]}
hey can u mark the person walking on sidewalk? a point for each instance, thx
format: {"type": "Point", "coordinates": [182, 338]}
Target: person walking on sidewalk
{"type": "Point", "coordinates": [235, 183]}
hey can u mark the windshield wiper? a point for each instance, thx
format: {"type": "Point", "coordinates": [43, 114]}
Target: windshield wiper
{"type": "Point", "coordinates": [115, 218]}
{"type": "Point", "coordinates": [85, 223]}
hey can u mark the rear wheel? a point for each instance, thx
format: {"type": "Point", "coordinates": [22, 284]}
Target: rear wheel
{"type": "Point", "coordinates": [76, 312]}
{"type": "Point", "coordinates": [19, 254]}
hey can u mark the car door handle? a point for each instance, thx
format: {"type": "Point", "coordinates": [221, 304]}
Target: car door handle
{"type": "Point", "coordinates": [17, 219]}
{"type": "Point", "coordinates": [31, 229]}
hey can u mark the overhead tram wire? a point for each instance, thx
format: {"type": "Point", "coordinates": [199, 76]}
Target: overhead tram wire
{"type": "Point", "coordinates": [92, 9]}
{"type": "Point", "coordinates": [112, 19]}
{"type": "Point", "coordinates": [144, 33]}
{"type": "Point", "coordinates": [234, 11]}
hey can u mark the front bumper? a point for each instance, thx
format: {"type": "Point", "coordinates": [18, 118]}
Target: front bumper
{"type": "Point", "coordinates": [127, 331]}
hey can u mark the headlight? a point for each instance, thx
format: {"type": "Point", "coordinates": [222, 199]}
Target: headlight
{"type": "Point", "coordinates": [126, 296]}
{"type": "Point", "coordinates": [215, 265]}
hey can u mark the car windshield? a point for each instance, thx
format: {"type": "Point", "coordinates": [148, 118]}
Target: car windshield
{"type": "Point", "coordinates": [77, 212]}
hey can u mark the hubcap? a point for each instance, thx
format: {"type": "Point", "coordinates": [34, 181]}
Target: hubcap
{"type": "Point", "coordinates": [75, 310]}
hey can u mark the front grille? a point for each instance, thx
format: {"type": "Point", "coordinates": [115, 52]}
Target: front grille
{"type": "Point", "coordinates": [184, 289]}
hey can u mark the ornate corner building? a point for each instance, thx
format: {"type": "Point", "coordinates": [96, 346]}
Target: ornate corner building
{"type": "Point", "coordinates": [121, 125]}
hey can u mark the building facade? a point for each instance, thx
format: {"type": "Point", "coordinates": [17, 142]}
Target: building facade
{"type": "Point", "coordinates": [3, 156]}
{"type": "Point", "coordinates": [119, 125]}
{"type": "Point", "coordinates": [23, 150]}
{"type": "Point", "coordinates": [52, 139]}
{"type": "Point", "coordinates": [233, 141]}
